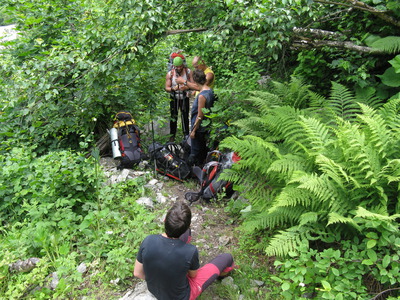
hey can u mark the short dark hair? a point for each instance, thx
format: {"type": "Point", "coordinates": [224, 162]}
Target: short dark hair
{"type": "Point", "coordinates": [178, 220]}
{"type": "Point", "coordinates": [199, 76]}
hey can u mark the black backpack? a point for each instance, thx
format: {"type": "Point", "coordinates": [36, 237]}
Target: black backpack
{"type": "Point", "coordinates": [129, 140]}
{"type": "Point", "coordinates": [208, 176]}
{"type": "Point", "coordinates": [167, 160]}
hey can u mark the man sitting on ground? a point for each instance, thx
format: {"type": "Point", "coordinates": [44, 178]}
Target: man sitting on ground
{"type": "Point", "coordinates": [170, 265]}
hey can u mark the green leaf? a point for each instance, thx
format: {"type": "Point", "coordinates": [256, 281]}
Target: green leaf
{"type": "Point", "coordinates": [367, 262]}
{"type": "Point", "coordinates": [372, 255]}
{"type": "Point", "coordinates": [395, 62]}
{"type": "Point", "coordinates": [386, 261]}
{"type": "Point", "coordinates": [390, 78]}
{"type": "Point", "coordinates": [285, 286]}
{"type": "Point", "coordinates": [371, 244]}
{"type": "Point", "coordinates": [326, 285]}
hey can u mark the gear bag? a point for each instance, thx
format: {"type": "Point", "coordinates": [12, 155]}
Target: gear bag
{"type": "Point", "coordinates": [208, 176]}
{"type": "Point", "coordinates": [167, 160]}
{"type": "Point", "coordinates": [128, 140]}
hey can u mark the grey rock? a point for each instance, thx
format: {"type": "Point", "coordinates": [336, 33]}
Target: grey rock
{"type": "Point", "coordinates": [146, 201]}
{"type": "Point", "coordinates": [257, 282]}
{"type": "Point", "coordinates": [160, 198]}
{"type": "Point", "coordinates": [81, 268]}
{"type": "Point", "coordinates": [224, 240]}
{"type": "Point", "coordinates": [54, 280]}
{"type": "Point", "coordinates": [139, 293]}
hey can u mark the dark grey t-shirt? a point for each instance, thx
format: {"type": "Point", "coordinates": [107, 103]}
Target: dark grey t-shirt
{"type": "Point", "coordinates": [166, 263]}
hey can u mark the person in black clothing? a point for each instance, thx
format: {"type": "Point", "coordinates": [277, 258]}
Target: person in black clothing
{"type": "Point", "coordinates": [199, 133]}
{"type": "Point", "coordinates": [170, 265]}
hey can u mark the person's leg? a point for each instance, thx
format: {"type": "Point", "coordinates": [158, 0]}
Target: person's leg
{"type": "Point", "coordinates": [198, 150]}
{"type": "Point", "coordinates": [173, 107]}
{"type": "Point", "coordinates": [207, 274]}
{"type": "Point", "coordinates": [185, 116]}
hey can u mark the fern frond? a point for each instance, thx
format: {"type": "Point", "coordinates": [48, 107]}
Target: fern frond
{"type": "Point", "coordinates": [263, 101]}
{"type": "Point", "coordinates": [317, 135]}
{"type": "Point", "coordinates": [376, 129]}
{"type": "Point", "coordinates": [390, 112]}
{"type": "Point", "coordinates": [391, 171]}
{"type": "Point", "coordinates": [333, 170]}
{"type": "Point", "coordinates": [335, 218]}
{"type": "Point", "coordinates": [287, 241]}
{"type": "Point", "coordinates": [361, 160]}
{"type": "Point", "coordinates": [342, 102]}
{"type": "Point", "coordinates": [289, 163]}
{"type": "Point", "coordinates": [295, 93]}
{"type": "Point", "coordinates": [308, 217]}
{"type": "Point", "coordinates": [389, 44]}
{"type": "Point", "coordinates": [327, 195]}
{"type": "Point", "coordinates": [368, 97]}
{"type": "Point", "coordinates": [366, 214]}
{"type": "Point", "coordinates": [291, 196]}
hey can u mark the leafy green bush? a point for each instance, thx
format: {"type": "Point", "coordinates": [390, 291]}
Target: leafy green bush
{"type": "Point", "coordinates": [57, 208]}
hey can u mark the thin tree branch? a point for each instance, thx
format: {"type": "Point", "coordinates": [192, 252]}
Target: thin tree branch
{"type": "Point", "coordinates": [309, 44]}
{"type": "Point", "coordinates": [381, 14]}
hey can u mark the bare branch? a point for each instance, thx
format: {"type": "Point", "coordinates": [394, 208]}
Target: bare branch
{"type": "Point", "coordinates": [382, 14]}
{"type": "Point", "coordinates": [309, 44]}
{"type": "Point", "coordinates": [318, 33]}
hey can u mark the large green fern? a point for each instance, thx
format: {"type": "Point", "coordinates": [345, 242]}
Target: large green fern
{"type": "Point", "coordinates": [313, 170]}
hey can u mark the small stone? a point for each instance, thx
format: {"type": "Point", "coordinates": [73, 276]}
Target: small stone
{"type": "Point", "coordinates": [257, 282]}
{"type": "Point", "coordinates": [54, 281]}
{"type": "Point", "coordinates": [146, 201]}
{"type": "Point", "coordinates": [224, 240]}
{"type": "Point", "coordinates": [81, 268]}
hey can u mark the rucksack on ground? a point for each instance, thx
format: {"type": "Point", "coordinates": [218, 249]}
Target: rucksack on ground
{"type": "Point", "coordinates": [128, 140]}
{"type": "Point", "coordinates": [167, 160]}
{"type": "Point", "coordinates": [208, 176]}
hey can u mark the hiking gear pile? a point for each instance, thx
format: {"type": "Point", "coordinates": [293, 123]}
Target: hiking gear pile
{"type": "Point", "coordinates": [208, 176]}
{"type": "Point", "coordinates": [167, 160]}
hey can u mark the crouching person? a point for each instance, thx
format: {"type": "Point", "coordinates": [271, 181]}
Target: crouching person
{"type": "Point", "coordinates": [170, 265]}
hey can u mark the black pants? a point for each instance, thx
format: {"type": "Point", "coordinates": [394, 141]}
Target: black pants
{"type": "Point", "coordinates": [198, 150]}
{"type": "Point", "coordinates": [176, 105]}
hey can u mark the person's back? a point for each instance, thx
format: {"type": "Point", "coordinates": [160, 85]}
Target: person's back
{"type": "Point", "coordinates": [166, 262]}
{"type": "Point", "coordinates": [170, 265]}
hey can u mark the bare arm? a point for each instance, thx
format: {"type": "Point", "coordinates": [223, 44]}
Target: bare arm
{"type": "Point", "coordinates": [200, 115]}
{"type": "Point", "coordinates": [168, 83]}
{"type": "Point", "coordinates": [209, 78]}
{"type": "Point", "coordinates": [189, 83]}
{"type": "Point", "coordinates": [138, 270]}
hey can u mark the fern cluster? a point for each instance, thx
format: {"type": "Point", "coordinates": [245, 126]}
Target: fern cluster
{"type": "Point", "coordinates": [310, 171]}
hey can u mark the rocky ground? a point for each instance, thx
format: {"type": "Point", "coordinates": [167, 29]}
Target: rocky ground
{"type": "Point", "coordinates": [212, 231]}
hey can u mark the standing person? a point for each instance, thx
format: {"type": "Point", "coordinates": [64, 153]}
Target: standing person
{"type": "Point", "coordinates": [171, 266]}
{"type": "Point", "coordinates": [179, 95]}
{"type": "Point", "coordinates": [199, 133]}
{"type": "Point", "coordinates": [198, 63]}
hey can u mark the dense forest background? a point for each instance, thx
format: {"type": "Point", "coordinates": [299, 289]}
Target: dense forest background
{"type": "Point", "coordinates": [311, 93]}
